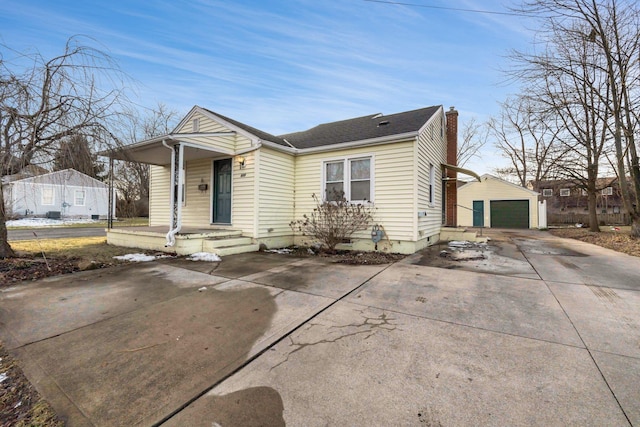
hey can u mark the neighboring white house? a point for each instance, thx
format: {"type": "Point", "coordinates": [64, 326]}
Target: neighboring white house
{"type": "Point", "coordinates": [496, 203]}
{"type": "Point", "coordinates": [65, 193]}
{"type": "Point", "coordinates": [214, 178]}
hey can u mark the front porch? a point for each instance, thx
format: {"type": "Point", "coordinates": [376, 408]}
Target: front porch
{"type": "Point", "coordinates": [220, 241]}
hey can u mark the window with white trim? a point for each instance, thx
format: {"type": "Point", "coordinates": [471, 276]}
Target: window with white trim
{"type": "Point", "coordinates": [565, 192]}
{"type": "Point", "coordinates": [78, 197]}
{"type": "Point", "coordinates": [350, 177]}
{"type": "Point", "coordinates": [547, 192]}
{"type": "Point", "coordinates": [607, 191]}
{"type": "Point", "coordinates": [48, 195]}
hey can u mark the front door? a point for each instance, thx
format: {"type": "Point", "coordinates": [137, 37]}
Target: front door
{"type": "Point", "coordinates": [478, 213]}
{"type": "Point", "coordinates": [222, 191]}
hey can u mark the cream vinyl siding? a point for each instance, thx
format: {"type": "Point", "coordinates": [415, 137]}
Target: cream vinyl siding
{"type": "Point", "coordinates": [276, 194]}
{"type": "Point", "coordinates": [491, 188]}
{"type": "Point", "coordinates": [207, 124]}
{"type": "Point", "coordinates": [196, 211]}
{"type": "Point", "coordinates": [159, 195]}
{"type": "Point", "coordinates": [243, 201]}
{"type": "Point", "coordinates": [431, 150]}
{"type": "Point", "coordinates": [393, 185]}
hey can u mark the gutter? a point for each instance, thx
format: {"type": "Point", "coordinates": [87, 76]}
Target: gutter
{"type": "Point", "coordinates": [460, 170]}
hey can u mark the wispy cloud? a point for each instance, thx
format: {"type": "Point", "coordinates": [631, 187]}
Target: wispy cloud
{"type": "Point", "coordinates": [285, 66]}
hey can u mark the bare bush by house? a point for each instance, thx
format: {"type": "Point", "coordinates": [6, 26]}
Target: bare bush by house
{"type": "Point", "coordinates": [333, 222]}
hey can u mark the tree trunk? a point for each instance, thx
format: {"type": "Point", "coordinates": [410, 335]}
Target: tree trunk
{"type": "Point", "coordinates": [5, 248]}
{"type": "Point", "coordinates": [593, 213]}
{"type": "Point", "coordinates": [635, 228]}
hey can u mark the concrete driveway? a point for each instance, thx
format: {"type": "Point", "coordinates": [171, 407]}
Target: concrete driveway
{"type": "Point", "coordinates": [265, 339]}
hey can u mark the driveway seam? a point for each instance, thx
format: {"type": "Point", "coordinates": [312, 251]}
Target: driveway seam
{"type": "Point", "coordinates": [267, 348]}
{"type": "Point", "coordinates": [583, 342]}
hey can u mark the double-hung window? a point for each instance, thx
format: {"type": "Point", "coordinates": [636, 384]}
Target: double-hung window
{"type": "Point", "coordinates": [78, 197]}
{"type": "Point", "coordinates": [48, 195]}
{"type": "Point", "coordinates": [349, 178]}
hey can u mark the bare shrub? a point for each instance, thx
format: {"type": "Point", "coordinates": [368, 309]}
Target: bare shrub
{"type": "Point", "coordinates": [333, 222]}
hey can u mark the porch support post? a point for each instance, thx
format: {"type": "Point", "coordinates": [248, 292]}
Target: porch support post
{"type": "Point", "coordinates": [110, 202]}
{"type": "Point", "coordinates": [177, 181]}
{"type": "Point", "coordinates": [179, 176]}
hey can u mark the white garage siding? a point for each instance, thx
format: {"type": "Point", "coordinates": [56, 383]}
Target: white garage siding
{"type": "Point", "coordinates": [492, 188]}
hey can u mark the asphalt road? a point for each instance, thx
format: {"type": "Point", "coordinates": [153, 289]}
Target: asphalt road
{"type": "Point", "coordinates": [55, 232]}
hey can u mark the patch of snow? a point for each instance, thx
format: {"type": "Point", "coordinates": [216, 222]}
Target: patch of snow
{"type": "Point", "coordinates": [3, 377]}
{"type": "Point", "coordinates": [204, 256]}
{"type": "Point", "coordinates": [17, 405]}
{"type": "Point", "coordinates": [204, 288]}
{"type": "Point", "coordinates": [136, 257]}
{"type": "Point", "coordinates": [47, 222]}
{"type": "Point", "coordinates": [283, 251]}
{"type": "Point", "coordinates": [460, 244]}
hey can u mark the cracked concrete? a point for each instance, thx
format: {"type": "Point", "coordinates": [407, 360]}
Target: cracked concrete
{"type": "Point", "coordinates": [267, 339]}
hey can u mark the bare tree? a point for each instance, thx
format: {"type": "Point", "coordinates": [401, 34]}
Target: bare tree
{"type": "Point", "coordinates": [43, 101]}
{"type": "Point", "coordinates": [527, 137]}
{"type": "Point", "coordinates": [474, 137]}
{"type": "Point", "coordinates": [569, 84]}
{"type": "Point", "coordinates": [132, 178]}
{"type": "Point", "coordinates": [612, 27]}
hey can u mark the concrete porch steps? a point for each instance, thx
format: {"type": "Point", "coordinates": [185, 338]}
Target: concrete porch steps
{"type": "Point", "coordinates": [230, 245]}
{"type": "Point", "coordinates": [461, 233]}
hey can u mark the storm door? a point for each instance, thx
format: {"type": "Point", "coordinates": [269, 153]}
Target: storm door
{"type": "Point", "coordinates": [222, 191]}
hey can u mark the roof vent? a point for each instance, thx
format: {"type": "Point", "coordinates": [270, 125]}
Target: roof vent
{"type": "Point", "coordinates": [377, 116]}
{"type": "Point", "coordinates": [383, 123]}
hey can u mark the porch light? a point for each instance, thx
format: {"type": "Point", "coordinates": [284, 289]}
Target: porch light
{"type": "Point", "coordinates": [241, 161]}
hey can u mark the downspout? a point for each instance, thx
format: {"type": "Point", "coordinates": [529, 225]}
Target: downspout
{"type": "Point", "coordinates": [176, 199]}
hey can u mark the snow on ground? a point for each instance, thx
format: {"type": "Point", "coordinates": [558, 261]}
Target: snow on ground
{"type": "Point", "coordinates": [283, 251]}
{"type": "Point", "coordinates": [204, 256]}
{"type": "Point", "coordinates": [136, 257]}
{"type": "Point", "coordinates": [47, 222]}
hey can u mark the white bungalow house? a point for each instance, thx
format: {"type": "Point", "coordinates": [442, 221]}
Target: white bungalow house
{"type": "Point", "coordinates": [65, 193]}
{"type": "Point", "coordinates": [221, 186]}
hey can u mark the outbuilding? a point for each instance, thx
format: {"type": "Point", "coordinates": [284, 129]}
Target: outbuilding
{"type": "Point", "coordinates": [496, 203]}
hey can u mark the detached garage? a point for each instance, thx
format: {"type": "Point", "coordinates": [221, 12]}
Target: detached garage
{"type": "Point", "coordinates": [496, 203]}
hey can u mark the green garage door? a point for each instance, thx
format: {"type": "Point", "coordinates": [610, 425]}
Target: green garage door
{"type": "Point", "coordinates": [509, 214]}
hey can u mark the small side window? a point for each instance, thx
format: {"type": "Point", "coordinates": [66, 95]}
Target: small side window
{"type": "Point", "coordinates": [565, 192]}
{"type": "Point", "coordinates": [547, 192]}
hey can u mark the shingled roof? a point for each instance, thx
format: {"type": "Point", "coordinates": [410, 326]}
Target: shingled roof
{"type": "Point", "coordinates": [361, 128]}
{"type": "Point", "coordinates": [265, 136]}
{"type": "Point", "coordinates": [350, 130]}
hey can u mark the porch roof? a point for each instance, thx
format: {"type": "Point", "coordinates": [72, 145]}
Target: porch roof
{"type": "Point", "coordinates": [156, 151]}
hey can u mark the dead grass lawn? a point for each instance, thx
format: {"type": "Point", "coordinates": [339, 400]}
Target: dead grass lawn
{"type": "Point", "coordinates": [85, 248]}
{"type": "Point", "coordinates": [619, 241]}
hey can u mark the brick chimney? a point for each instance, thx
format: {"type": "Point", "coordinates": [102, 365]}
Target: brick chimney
{"type": "Point", "coordinates": [451, 189]}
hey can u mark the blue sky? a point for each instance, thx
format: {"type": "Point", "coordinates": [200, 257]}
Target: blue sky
{"type": "Point", "coordinates": [287, 65]}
